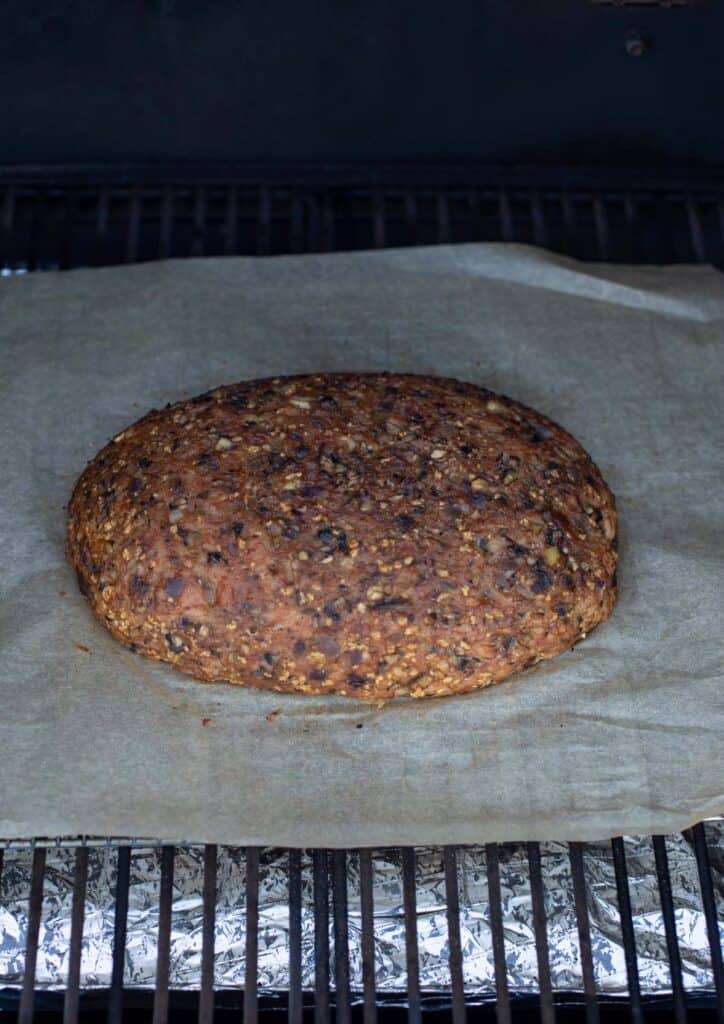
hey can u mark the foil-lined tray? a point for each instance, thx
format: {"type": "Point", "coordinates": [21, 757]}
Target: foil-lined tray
{"type": "Point", "coordinates": [479, 975]}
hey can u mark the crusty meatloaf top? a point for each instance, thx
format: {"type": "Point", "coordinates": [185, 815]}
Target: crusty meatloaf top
{"type": "Point", "coordinates": [375, 535]}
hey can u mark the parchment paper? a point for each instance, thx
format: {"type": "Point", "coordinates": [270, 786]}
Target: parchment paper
{"type": "Point", "coordinates": [624, 734]}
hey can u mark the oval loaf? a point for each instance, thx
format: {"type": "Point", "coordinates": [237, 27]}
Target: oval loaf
{"type": "Point", "coordinates": [373, 535]}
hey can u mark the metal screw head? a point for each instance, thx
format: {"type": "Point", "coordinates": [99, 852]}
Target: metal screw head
{"type": "Point", "coordinates": [635, 42]}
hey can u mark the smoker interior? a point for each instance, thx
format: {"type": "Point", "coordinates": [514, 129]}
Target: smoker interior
{"type": "Point", "coordinates": [60, 218]}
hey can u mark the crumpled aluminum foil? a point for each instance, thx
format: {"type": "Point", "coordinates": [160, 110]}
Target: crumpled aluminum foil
{"type": "Point", "coordinates": [185, 964]}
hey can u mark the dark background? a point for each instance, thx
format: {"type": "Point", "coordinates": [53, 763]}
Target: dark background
{"type": "Point", "coordinates": [513, 81]}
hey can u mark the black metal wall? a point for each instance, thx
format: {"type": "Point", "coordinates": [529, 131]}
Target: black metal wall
{"type": "Point", "coordinates": [361, 80]}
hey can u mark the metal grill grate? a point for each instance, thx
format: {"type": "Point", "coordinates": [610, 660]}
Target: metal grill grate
{"type": "Point", "coordinates": [332, 961]}
{"type": "Point", "coordinates": [60, 218]}
{"type": "Point", "coordinates": [64, 220]}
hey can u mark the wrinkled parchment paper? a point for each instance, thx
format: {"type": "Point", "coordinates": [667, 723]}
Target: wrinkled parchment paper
{"type": "Point", "coordinates": [623, 734]}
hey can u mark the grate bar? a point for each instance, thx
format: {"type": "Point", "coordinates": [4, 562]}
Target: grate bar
{"type": "Point", "coordinates": [134, 226]}
{"type": "Point", "coordinates": [502, 1006]}
{"type": "Point", "coordinates": [341, 937]}
{"type": "Point", "coordinates": [411, 221]}
{"type": "Point", "coordinates": [115, 999]}
{"type": "Point", "coordinates": [166, 228]}
{"type": "Point", "coordinates": [35, 908]}
{"type": "Point", "coordinates": [474, 220]}
{"type": "Point", "coordinates": [101, 221]}
{"type": "Point", "coordinates": [505, 215]}
{"type": "Point", "coordinates": [252, 935]}
{"type": "Point", "coordinates": [7, 220]}
{"type": "Point", "coordinates": [631, 215]}
{"type": "Point", "coordinates": [409, 892]}
{"type": "Point", "coordinates": [575, 852]}
{"type": "Point", "coordinates": [443, 218]}
{"type": "Point", "coordinates": [296, 224]}
{"type": "Point", "coordinates": [627, 930]}
{"type": "Point", "coordinates": [568, 216]}
{"type": "Point", "coordinates": [263, 222]}
{"type": "Point", "coordinates": [452, 897]}
{"type": "Point", "coordinates": [72, 992]}
{"type": "Point", "coordinates": [37, 218]}
{"type": "Point", "coordinates": [368, 937]}
{"type": "Point", "coordinates": [603, 233]}
{"type": "Point", "coordinates": [540, 228]}
{"type": "Point", "coordinates": [295, 937]}
{"type": "Point", "coordinates": [66, 245]}
{"type": "Point", "coordinates": [206, 999]}
{"type": "Point", "coordinates": [232, 216]}
{"type": "Point", "coordinates": [695, 231]}
{"type": "Point", "coordinates": [329, 240]}
{"type": "Point", "coordinates": [698, 836]}
{"type": "Point", "coordinates": [321, 937]}
{"type": "Point", "coordinates": [163, 945]}
{"type": "Point", "coordinates": [672, 942]}
{"type": "Point", "coordinates": [312, 204]}
{"type": "Point", "coordinates": [547, 1011]}
{"type": "Point", "coordinates": [379, 225]}
{"type": "Point", "coordinates": [198, 242]}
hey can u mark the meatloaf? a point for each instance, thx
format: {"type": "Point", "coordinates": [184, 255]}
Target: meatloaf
{"type": "Point", "coordinates": [373, 535]}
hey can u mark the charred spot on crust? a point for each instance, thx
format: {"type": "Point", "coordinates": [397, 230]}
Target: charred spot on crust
{"type": "Point", "coordinates": [175, 643]}
{"type": "Point", "coordinates": [238, 401]}
{"type": "Point", "coordinates": [331, 612]}
{"type": "Point", "coordinates": [276, 463]}
{"type": "Point", "coordinates": [517, 550]}
{"type": "Point", "coordinates": [138, 586]}
{"type": "Point", "coordinates": [389, 603]}
{"type": "Point", "coordinates": [175, 587]}
{"type": "Point", "coordinates": [82, 584]}
{"type": "Point", "coordinates": [542, 579]}
{"type": "Point", "coordinates": [333, 539]}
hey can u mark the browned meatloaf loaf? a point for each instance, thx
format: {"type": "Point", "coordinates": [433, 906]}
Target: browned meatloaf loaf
{"type": "Point", "coordinates": [374, 535]}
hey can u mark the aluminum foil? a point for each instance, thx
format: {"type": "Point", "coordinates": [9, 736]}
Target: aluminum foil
{"type": "Point", "coordinates": [185, 964]}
